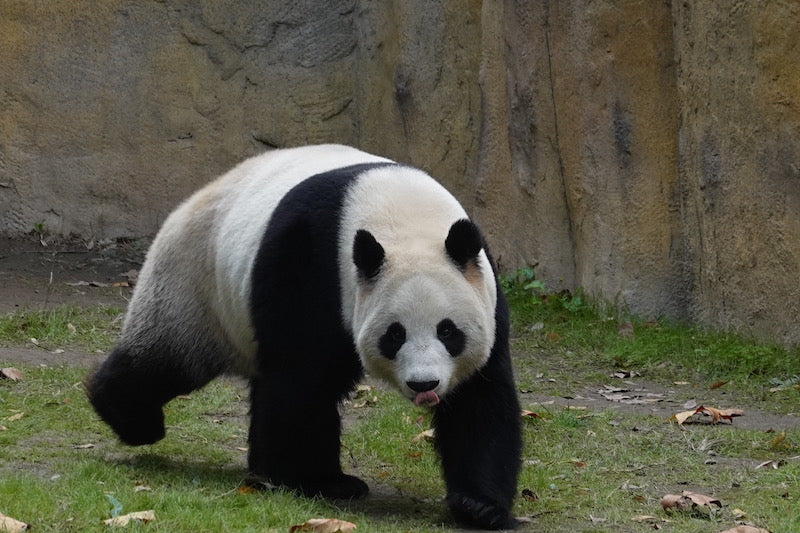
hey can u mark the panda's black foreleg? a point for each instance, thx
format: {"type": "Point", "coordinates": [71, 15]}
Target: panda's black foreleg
{"type": "Point", "coordinates": [128, 391]}
{"type": "Point", "coordinates": [294, 440]}
{"type": "Point", "coordinates": [478, 437]}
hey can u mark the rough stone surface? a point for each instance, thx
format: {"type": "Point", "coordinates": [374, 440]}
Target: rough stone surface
{"type": "Point", "coordinates": [645, 151]}
{"type": "Point", "coordinates": [740, 133]}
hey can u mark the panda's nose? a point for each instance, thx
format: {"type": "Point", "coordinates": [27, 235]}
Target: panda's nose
{"type": "Point", "coordinates": [422, 386]}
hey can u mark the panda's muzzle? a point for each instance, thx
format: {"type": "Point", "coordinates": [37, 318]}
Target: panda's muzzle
{"type": "Point", "coordinates": [422, 386]}
{"type": "Point", "coordinates": [425, 392]}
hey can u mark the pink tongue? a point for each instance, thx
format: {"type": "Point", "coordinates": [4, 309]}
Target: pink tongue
{"type": "Point", "coordinates": [428, 397]}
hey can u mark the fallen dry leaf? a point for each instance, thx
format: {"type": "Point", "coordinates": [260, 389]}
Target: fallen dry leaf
{"type": "Point", "coordinates": [701, 499]}
{"type": "Point", "coordinates": [369, 402]}
{"type": "Point", "coordinates": [675, 501]}
{"type": "Point", "coordinates": [364, 400]}
{"type": "Point", "coordinates": [738, 514]}
{"type": "Point", "coordinates": [716, 414]}
{"type": "Point", "coordinates": [770, 464]}
{"type": "Point", "coordinates": [86, 446]}
{"type": "Point", "coordinates": [684, 416]}
{"type": "Point", "coordinates": [362, 389]}
{"type": "Point", "coordinates": [727, 414]}
{"type": "Point", "coordinates": [427, 435]}
{"type": "Point", "coordinates": [531, 414]}
{"type": "Point", "coordinates": [324, 525]}
{"type": "Point", "coordinates": [11, 373]}
{"type": "Point", "coordinates": [745, 529]}
{"type": "Point", "coordinates": [687, 500]}
{"type": "Point", "coordinates": [717, 384]}
{"type": "Point", "coordinates": [15, 417]}
{"type": "Point", "coordinates": [10, 525]}
{"type": "Point", "coordinates": [628, 396]}
{"type": "Point", "coordinates": [625, 374]}
{"type": "Point", "coordinates": [124, 520]}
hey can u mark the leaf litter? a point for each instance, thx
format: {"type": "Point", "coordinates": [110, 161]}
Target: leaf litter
{"type": "Point", "coordinates": [11, 373]}
{"type": "Point", "coordinates": [324, 525]}
{"type": "Point", "coordinates": [11, 525]}
{"type": "Point", "coordinates": [629, 396]}
{"type": "Point", "coordinates": [688, 500]}
{"type": "Point", "coordinates": [137, 516]}
{"type": "Point", "coordinates": [716, 415]}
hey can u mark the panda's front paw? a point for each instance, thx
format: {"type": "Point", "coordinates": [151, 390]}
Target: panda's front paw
{"type": "Point", "coordinates": [482, 514]}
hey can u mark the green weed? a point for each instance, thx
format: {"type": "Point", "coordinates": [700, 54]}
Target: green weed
{"type": "Point", "coordinates": [90, 328]}
{"type": "Point", "coordinates": [593, 335]}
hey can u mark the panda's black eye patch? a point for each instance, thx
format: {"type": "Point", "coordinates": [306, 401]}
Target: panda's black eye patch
{"type": "Point", "coordinates": [452, 337]}
{"type": "Point", "coordinates": [392, 340]}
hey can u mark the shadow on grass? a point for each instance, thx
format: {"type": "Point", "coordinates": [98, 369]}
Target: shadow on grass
{"type": "Point", "coordinates": [381, 503]}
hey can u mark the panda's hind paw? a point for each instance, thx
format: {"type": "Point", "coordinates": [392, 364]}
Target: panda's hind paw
{"type": "Point", "coordinates": [482, 514]}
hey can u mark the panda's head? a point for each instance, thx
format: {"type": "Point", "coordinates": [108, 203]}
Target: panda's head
{"type": "Point", "coordinates": [424, 317]}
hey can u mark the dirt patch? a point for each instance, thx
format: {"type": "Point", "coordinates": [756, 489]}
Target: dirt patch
{"type": "Point", "coordinates": [39, 356]}
{"type": "Point", "coordinates": [65, 272]}
{"type": "Point", "coordinates": [34, 276]}
{"type": "Point", "coordinates": [644, 397]}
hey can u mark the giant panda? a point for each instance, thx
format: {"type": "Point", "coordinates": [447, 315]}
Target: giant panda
{"type": "Point", "coordinates": [302, 269]}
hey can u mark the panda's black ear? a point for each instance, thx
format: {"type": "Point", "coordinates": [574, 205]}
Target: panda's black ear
{"type": "Point", "coordinates": [463, 243]}
{"type": "Point", "coordinates": [368, 254]}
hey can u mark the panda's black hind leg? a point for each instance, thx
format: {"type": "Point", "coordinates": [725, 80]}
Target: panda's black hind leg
{"type": "Point", "coordinates": [129, 394]}
{"type": "Point", "coordinates": [294, 441]}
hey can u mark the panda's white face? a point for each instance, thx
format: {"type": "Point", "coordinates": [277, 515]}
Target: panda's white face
{"type": "Point", "coordinates": [418, 291]}
{"type": "Point", "coordinates": [424, 332]}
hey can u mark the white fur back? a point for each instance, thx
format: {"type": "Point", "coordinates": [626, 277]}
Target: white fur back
{"type": "Point", "coordinates": [212, 238]}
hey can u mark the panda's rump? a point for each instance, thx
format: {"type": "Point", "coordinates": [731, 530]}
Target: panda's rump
{"type": "Point", "coordinates": [171, 313]}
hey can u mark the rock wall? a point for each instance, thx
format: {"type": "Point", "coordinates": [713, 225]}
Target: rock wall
{"type": "Point", "coordinates": [739, 135]}
{"type": "Point", "coordinates": [645, 151]}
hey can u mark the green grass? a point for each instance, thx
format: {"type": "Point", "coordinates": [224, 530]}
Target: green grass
{"type": "Point", "coordinates": [583, 470]}
{"type": "Point", "coordinates": [92, 328]}
{"type": "Point", "coordinates": [600, 337]}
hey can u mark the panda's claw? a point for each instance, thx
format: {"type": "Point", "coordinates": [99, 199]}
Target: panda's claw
{"type": "Point", "coordinates": [486, 515]}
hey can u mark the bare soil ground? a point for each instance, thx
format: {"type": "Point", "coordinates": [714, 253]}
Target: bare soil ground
{"type": "Point", "coordinates": [34, 276]}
